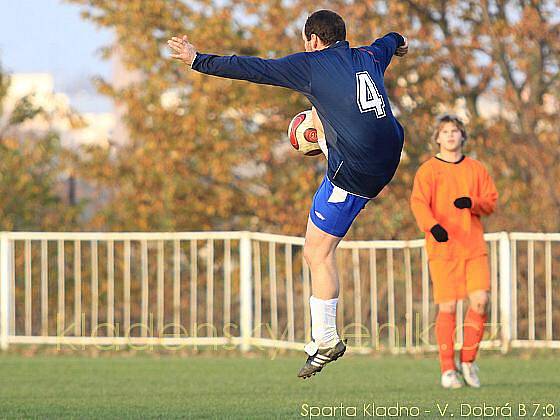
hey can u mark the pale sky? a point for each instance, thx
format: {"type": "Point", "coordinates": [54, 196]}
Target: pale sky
{"type": "Point", "coordinates": [49, 36]}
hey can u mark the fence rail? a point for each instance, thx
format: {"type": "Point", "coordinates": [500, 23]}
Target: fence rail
{"type": "Point", "coordinates": [252, 290]}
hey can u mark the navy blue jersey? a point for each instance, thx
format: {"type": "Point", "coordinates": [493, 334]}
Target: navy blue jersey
{"type": "Point", "coordinates": [346, 87]}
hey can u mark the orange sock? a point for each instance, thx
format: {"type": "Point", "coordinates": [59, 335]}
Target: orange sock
{"type": "Point", "coordinates": [473, 330]}
{"type": "Point", "coordinates": [445, 331]}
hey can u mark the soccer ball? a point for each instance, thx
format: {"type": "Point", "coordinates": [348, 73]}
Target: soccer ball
{"type": "Point", "coordinates": [302, 134]}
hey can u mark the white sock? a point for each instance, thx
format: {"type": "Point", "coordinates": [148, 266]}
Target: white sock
{"type": "Point", "coordinates": [323, 321]}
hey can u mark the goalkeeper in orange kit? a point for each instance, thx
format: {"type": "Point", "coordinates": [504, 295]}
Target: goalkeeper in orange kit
{"type": "Point", "coordinates": [450, 194]}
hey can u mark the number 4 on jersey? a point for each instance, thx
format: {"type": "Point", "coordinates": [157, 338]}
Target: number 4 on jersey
{"type": "Point", "coordinates": [369, 98]}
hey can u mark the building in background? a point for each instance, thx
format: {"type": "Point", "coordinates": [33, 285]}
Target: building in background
{"type": "Point", "coordinates": [75, 130]}
{"type": "Point", "coordinates": [96, 129]}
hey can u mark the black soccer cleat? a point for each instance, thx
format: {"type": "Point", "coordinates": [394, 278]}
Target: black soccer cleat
{"type": "Point", "coordinates": [318, 358]}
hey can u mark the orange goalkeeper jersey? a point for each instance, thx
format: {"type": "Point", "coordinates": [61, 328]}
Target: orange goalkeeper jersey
{"type": "Point", "coordinates": [437, 185]}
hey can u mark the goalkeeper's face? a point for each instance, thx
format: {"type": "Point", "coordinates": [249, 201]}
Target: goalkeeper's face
{"type": "Point", "coordinates": [450, 138]}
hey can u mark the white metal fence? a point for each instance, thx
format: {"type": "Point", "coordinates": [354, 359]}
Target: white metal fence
{"type": "Point", "coordinates": [252, 290]}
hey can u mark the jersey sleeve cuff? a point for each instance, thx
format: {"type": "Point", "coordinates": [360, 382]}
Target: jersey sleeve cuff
{"type": "Point", "coordinates": [399, 38]}
{"type": "Point", "coordinates": [196, 60]}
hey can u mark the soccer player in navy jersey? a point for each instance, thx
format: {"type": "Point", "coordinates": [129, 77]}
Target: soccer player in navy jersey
{"type": "Point", "coordinates": [364, 141]}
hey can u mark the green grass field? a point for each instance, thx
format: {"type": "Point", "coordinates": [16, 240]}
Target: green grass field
{"type": "Point", "coordinates": [208, 386]}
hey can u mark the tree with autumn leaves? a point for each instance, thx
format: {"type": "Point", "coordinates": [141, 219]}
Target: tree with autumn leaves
{"type": "Point", "coordinates": [33, 167]}
{"type": "Point", "coordinates": [207, 153]}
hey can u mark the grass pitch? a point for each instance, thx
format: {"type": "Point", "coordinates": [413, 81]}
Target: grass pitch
{"type": "Point", "coordinates": [209, 386]}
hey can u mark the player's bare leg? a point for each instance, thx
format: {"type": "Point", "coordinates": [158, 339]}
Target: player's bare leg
{"type": "Point", "coordinates": [319, 251]}
{"type": "Point", "coordinates": [320, 132]}
{"type": "Point", "coordinates": [473, 331]}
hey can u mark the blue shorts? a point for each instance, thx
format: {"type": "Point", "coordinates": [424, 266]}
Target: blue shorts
{"type": "Point", "coordinates": [333, 209]}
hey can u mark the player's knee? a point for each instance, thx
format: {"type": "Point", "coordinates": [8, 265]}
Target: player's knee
{"type": "Point", "coordinates": [314, 255]}
{"type": "Point", "coordinates": [309, 255]}
{"type": "Point", "coordinates": [448, 307]}
{"type": "Point", "coordinates": [479, 303]}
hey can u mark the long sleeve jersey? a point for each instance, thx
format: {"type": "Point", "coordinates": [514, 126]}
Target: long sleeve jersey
{"type": "Point", "coordinates": [437, 185]}
{"type": "Point", "coordinates": [346, 87]}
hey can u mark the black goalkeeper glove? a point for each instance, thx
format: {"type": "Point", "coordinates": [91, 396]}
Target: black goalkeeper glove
{"type": "Point", "coordinates": [439, 233]}
{"type": "Point", "coordinates": [463, 203]}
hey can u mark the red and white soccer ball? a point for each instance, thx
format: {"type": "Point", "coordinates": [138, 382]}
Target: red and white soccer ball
{"type": "Point", "coordinates": [302, 134]}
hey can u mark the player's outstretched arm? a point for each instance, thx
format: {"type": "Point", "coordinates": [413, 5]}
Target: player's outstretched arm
{"type": "Point", "coordinates": [386, 47]}
{"type": "Point", "coordinates": [292, 71]}
{"type": "Point", "coordinates": [182, 49]}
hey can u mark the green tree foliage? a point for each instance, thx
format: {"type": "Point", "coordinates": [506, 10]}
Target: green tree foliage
{"type": "Point", "coordinates": [216, 156]}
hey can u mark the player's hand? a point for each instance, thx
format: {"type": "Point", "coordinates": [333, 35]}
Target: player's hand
{"type": "Point", "coordinates": [463, 203]}
{"type": "Point", "coordinates": [439, 233]}
{"type": "Point", "coordinates": [182, 49]}
{"type": "Point", "coordinates": [403, 49]}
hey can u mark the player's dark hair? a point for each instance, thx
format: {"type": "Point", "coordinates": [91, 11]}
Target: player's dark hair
{"type": "Point", "coordinates": [448, 118]}
{"type": "Point", "coordinates": [327, 25]}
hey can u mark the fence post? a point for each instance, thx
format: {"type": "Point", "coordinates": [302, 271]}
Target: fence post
{"type": "Point", "coordinates": [505, 291]}
{"type": "Point", "coordinates": [5, 276]}
{"type": "Point", "coordinates": [246, 290]}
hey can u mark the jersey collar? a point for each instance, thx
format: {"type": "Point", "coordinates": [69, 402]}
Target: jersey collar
{"type": "Point", "coordinates": [338, 44]}
{"type": "Point", "coordinates": [454, 163]}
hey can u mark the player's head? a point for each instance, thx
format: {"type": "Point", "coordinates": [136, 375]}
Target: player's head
{"type": "Point", "coordinates": [450, 133]}
{"type": "Point", "coordinates": [323, 28]}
